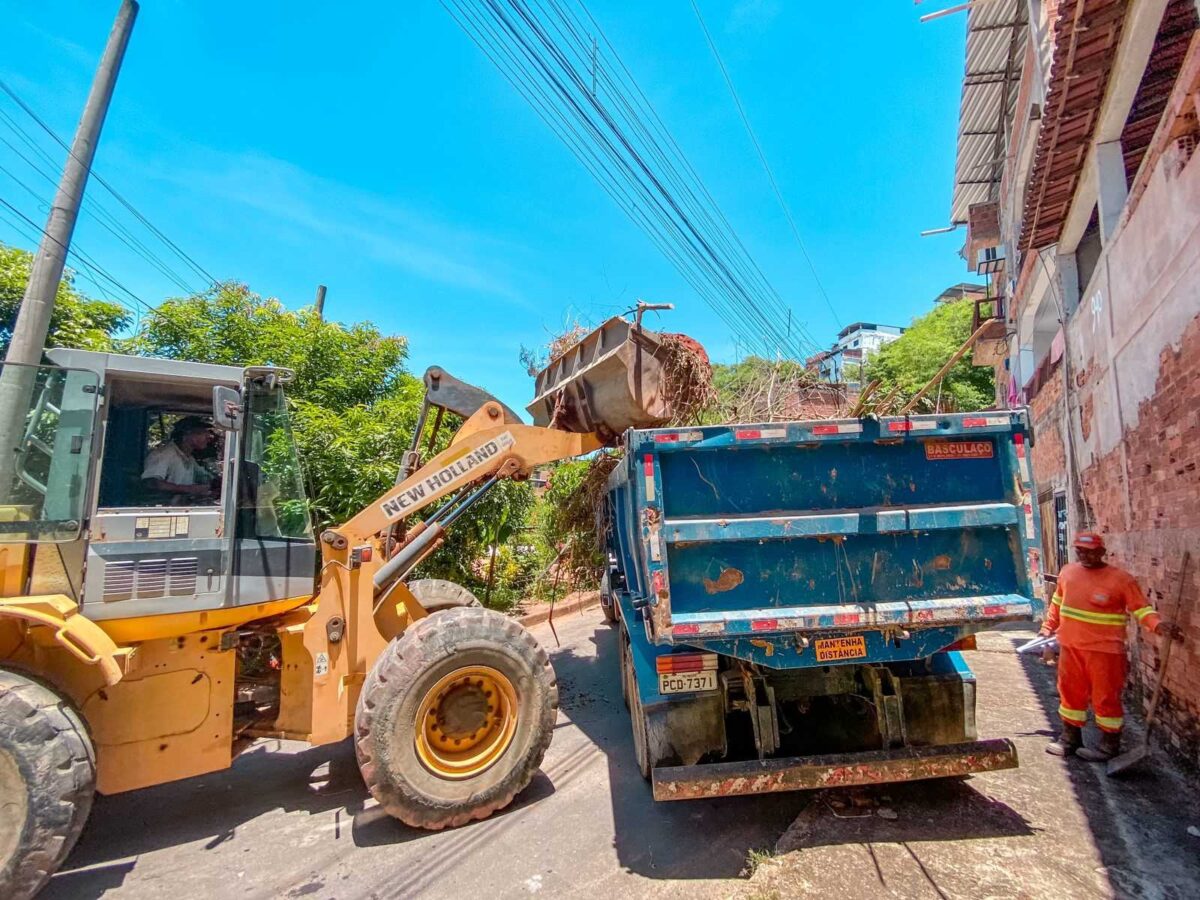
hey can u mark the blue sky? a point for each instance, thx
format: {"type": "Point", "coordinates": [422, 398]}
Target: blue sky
{"type": "Point", "coordinates": [285, 143]}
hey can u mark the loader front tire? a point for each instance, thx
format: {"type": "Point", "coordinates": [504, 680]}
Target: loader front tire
{"type": "Point", "coordinates": [47, 780]}
{"type": "Point", "coordinates": [455, 717]}
{"type": "Point", "coordinates": [438, 594]}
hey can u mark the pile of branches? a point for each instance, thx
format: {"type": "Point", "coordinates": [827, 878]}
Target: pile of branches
{"type": "Point", "coordinates": [585, 510]}
{"type": "Point", "coordinates": [578, 519]}
{"type": "Point", "coordinates": [762, 390]}
{"type": "Point", "coordinates": [536, 359]}
{"type": "Point", "coordinates": [687, 383]}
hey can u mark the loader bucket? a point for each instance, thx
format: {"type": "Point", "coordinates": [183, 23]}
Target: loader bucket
{"type": "Point", "coordinates": [611, 380]}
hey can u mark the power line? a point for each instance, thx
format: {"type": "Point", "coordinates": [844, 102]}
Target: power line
{"type": "Point", "coordinates": [630, 154]}
{"type": "Point", "coordinates": [200, 270]}
{"type": "Point", "coordinates": [505, 59]}
{"type": "Point", "coordinates": [85, 259]}
{"type": "Point", "coordinates": [92, 207]}
{"type": "Point", "coordinates": [763, 159]}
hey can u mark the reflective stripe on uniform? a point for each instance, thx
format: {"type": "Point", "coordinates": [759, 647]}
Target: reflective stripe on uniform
{"type": "Point", "coordinates": [1143, 612]}
{"type": "Point", "coordinates": [1109, 722]}
{"type": "Point", "coordinates": [1076, 716]}
{"type": "Point", "coordinates": [1095, 618]}
{"type": "Point", "coordinates": [1056, 599]}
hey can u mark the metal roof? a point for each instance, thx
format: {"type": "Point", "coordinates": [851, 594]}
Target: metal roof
{"type": "Point", "coordinates": [996, 33]}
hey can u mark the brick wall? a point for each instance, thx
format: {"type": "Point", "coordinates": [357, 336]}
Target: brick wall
{"type": "Point", "coordinates": [1049, 455]}
{"type": "Point", "coordinates": [1146, 495]}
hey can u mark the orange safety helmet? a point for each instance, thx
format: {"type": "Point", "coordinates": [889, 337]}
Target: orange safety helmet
{"type": "Point", "coordinates": [1089, 540]}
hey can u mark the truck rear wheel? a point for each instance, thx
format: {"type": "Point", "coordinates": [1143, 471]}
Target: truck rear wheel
{"type": "Point", "coordinates": [455, 718]}
{"type": "Point", "coordinates": [637, 716]}
{"type": "Point", "coordinates": [608, 604]}
{"type": "Point", "coordinates": [47, 780]}
{"type": "Point", "coordinates": [626, 668]}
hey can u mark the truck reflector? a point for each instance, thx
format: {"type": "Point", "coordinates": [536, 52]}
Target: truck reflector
{"type": "Point", "coordinates": [764, 624]}
{"type": "Point", "coordinates": [648, 470]}
{"type": "Point", "coordinates": [678, 437]}
{"type": "Point", "coordinates": [842, 428]}
{"type": "Point", "coordinates": [913, 425]}
{"type": "Point", "coordinates": [1022, 458]}
{"type": "Point", "coordinates": [685, 629]}
{"type": "Point", "coordinates": [669, 663]}
{"type": "Point", "coordinates": [984, 421]}
{"type": "Point", "coordinates": [751, 434]}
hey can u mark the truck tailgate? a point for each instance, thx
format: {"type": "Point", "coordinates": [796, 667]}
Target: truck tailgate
{"type": "Point", "coordinates": [821, 528]}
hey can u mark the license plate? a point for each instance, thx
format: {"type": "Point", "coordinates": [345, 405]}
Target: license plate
{"type": "Point", "coordinates": [837, 649]}
{"type": "Point", "coordinates": [687, 682]}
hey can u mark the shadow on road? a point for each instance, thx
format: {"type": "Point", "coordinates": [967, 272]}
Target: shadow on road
{"type": "Point", "coordinates": [700, 839]}
{"type": "Point", "coordinates": [711, 838]}
{"type": "Point", "coordinates": [263, 780]}
{"type": "Point", "coordinates": [1138, 821]}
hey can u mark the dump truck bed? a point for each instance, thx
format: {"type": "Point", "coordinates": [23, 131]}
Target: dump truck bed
{"type": "Point", "coordinates": [806, 543]}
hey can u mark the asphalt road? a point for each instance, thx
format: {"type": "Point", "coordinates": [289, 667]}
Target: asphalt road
{"type": "Point", "coordinates": [292, 821]}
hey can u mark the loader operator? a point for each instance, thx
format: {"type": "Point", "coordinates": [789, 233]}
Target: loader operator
{"type": "Point", "coordinates": [1088, 613]}
{"type": "Point", "coordinates": [173, 468]}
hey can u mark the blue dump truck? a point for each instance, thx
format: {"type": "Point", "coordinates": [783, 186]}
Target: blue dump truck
{"type": "Point", "coordinates": [793, 598]}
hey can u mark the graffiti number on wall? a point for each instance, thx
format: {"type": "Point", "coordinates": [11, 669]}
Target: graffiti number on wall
{"type": "Point", "coordinates": [1097, 305]}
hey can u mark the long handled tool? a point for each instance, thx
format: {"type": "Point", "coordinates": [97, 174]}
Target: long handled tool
{"type": "Point", "coordinates": [1131, 758]}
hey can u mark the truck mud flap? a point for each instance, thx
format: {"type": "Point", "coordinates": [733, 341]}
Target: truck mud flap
{"type": "Point", "coordinates": [801, 773]}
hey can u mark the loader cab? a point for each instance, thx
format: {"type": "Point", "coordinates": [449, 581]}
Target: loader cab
{"type": "Point", "coordinates": [173, 504]}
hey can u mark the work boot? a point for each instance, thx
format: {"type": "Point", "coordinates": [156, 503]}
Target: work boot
{"type": "Point", "coordinates": [1068, 742]}
{"type": "Point", "coordinates": [1110, 746]}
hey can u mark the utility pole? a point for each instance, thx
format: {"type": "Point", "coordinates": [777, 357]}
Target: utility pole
{"type": "Point", "coordinates": [33, 318]}
{"type": "Point", "coordinates": [320, 304]}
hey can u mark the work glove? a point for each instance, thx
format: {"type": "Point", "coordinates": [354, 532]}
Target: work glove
{"type": "Point", "coordinates": [1169, 629]}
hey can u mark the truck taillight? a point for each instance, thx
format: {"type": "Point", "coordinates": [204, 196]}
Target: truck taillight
{"type": "Point", "coordinates": [670, 663]}
{"type": "Point", "coordinates": [967, 643]}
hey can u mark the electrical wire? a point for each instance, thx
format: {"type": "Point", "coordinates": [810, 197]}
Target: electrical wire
{"type": "Point", "coordinates": [629, 152]}
{"type": "Point", "coordinates": [82, 257]}
{"type": "Point", "coordinates": [175, 248]}
{"type": "Point", "coordinates": [91, 207]}
{"type": "Point", "coordinates": [762, 157]}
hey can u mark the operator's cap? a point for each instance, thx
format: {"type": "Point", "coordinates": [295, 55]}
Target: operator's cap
{"type": "Point", "coordinates": [1089, 540]}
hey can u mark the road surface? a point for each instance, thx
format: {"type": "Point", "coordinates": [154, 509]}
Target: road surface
{"type": "Point", "coordinates": [292, 821]}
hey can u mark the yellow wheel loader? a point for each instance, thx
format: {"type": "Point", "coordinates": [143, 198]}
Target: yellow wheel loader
{"type": "Point", "coordinates": [164, 602]}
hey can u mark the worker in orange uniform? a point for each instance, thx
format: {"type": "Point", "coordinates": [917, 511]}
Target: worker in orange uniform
{"type": "Point", "coordinates": [1088, 614]}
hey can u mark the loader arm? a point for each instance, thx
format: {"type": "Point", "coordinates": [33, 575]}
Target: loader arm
{"type": "Point", "coordinates": [491, 442]}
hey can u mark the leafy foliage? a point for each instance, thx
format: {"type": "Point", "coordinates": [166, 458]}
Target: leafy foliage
{"type": "Point", "coordinates": [77, 321]}
{"type": "Point", "coordinates": [353, 407]}
{"type": "Point", "coordinates": [758, 390]}
{"type": "Point", "coordinates": [336, 366]}
{"type": "Point", "coordinates": [906, 364]}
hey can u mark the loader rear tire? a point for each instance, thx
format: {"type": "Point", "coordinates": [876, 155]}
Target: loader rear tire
{"type": "Point", "coordinates": [455, 718]}
{"type": "Point", "coordinates": [47, 781]}
{"type": "Point", "coordinates": [438, 594]}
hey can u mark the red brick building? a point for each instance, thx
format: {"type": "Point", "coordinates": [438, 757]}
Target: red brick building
{"type": "Point", "coordinates": [1079, 184]}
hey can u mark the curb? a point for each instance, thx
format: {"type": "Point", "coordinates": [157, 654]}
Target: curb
{"type": "Point", "coordinates": [577, 605]}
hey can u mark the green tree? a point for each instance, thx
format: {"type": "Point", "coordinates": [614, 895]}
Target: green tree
{"type": "Point", "coordinates": [77, 320]}
{"type": "Point", "coordinates": [336, 365]}
{"type": "Point", "coordinates": [915, 357]}
{"type": "Point", "coordinates": [353, 406]}
{"type": "Point", "coordinates": [757, 390]}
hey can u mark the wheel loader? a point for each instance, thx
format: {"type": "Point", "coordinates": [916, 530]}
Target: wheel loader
{"type": "Point", "coordinates": [149, 634]}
